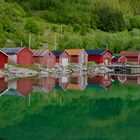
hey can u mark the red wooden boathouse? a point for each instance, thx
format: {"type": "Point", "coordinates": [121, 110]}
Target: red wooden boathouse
{"type": "Point", "coordinates": [73, 56]}
{"type": "Point", "coordinates": [119, 60]}
{"type": "Point", "coordinates": [44, 57]}
{"type": "Point", "coordinates": [20, 56]}
{"type": "Point", "coordinates": [57, 55]}
{"type": "Point", "coordinates": [132, 56]}
{"type": "Point", "coordinates": [3, 59]}
{"type": "Point", "coordinates": [99, 56]}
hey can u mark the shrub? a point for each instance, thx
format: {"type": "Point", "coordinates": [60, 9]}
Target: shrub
{"type": "Point", "coordinates": [135, 22]}
{"type": "Point", "coordinates": [6, 24]}
{"type": "Point", "coordinates": [32, 26]}
{"type": "Point", "coordinates": [76, 27]}
{"type": "Point", "coordinates": [110, 20]}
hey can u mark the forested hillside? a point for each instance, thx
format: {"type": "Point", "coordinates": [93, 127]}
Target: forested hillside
{"type": "Point", "coordinates": [60, 24]}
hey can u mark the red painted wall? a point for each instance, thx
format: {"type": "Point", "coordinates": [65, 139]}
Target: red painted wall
{"type": "Point", "coordinates": [57, 59]}
{"type": "Point", "coordinates": [100, 59]}
{"type": "Point", "coordinates": [64, 55]}
{"type": "Point", "coordinates": [133, 59]}
{"type": "Point", "coordinates": [95, 58]}
{"type": "Point", "coordinates": [38, 59]}
{"type": "Point", "coordinates": [50, 59]}
{"type": "Point", "coordinates": [25, 57]}
{"type": "Point", "coordinates": [3, 60]}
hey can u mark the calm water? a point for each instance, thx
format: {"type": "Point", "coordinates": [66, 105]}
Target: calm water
{"type": "Point", "coordinates": [102, 107]}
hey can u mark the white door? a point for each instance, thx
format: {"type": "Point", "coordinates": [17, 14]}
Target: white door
{"type": "Point", "coordinates": [64, 61]}
{"type": "Point", "coordinates": [106, 62]}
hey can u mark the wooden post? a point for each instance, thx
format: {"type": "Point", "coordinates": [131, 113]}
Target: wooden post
{"type": "Point", "coordinates": [29, 41]}
{"type": "Point", "coordinates": [55, 44]}
{"type": "Point", "coordinates": [21, 44]}
{"type": "Point", "coordinates": [61, 32]}
{"type": "Point", "coordinates": [29, 100]}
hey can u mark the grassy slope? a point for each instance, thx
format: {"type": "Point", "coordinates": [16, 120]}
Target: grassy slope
{"type": "Point", "coordinates": [93, 39]}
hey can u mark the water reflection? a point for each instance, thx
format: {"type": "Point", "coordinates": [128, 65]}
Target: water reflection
{"type": "Point", "coordinates": [75, 107]}
{"type": "Point", "coordinates": [22, 87]}
{"type": "Point", "coordinates": [45, 84]}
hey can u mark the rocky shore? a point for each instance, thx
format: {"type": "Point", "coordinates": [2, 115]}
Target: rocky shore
{"type": "Point", "coordinates": [12, 72]}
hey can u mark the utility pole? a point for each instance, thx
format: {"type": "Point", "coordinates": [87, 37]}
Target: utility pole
{"type": "Point", "coordinates": [29, 41]}
{"type": "Point", "coordinates": [61, 33]}
{"type": "Point", "coordinates": [55, 44]}
{"type": "Point", "coordinates": [21, 44]}
{"type": "Point", "coordinates": [48, 34]}
{"type": "Point", "coordinates": [29, 100]}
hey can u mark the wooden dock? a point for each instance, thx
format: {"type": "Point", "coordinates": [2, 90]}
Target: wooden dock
{"type": "Point", "coordinates": [126, 68]}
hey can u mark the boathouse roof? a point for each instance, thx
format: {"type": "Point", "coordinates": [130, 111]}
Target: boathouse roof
{"type": "Point", "coordinates": [57, 53]}
{"type": "Point", "coordinates": [130, 53]}
{"type": "Point", "coordinates": [74, 51]}
{"type": "Point", "coordinates": [40, 53]}
{"type": "Point", "coordinates": [12, 50]}
{"type": "Point", "coordinates": [96, 52]}
{"type": "Point", "coordinates": [116, 57]}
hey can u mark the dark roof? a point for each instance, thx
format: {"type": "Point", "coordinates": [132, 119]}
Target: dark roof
{"type": "Point", "coordinates": [95, 52]}
{"type": "Point", "coordinates": [57, 53]}
{"type": "Point", "coordinates": [116, 57]}
{"type": "Point", "coordinates": [11, 50]}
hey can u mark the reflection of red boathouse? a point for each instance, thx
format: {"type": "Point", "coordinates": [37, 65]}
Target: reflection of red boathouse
{"type": "Point", "coordinates": [3, 85]}
{"type": "Point", "coordinates": [45, 84]}
{"type": "Point", "coordinates": [73, 83]}
{"type": "Point", "coordinates": [125, 79]}
{"type": "Point", "coordinates": [132, 80]}
{"type": "Point", "coordinates": [102, 80]}
{"type": "Point", "coordinates": [23, 86]}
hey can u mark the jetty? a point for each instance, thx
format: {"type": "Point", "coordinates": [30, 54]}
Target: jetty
{"type": "Point", "coordinates": [125, 68]}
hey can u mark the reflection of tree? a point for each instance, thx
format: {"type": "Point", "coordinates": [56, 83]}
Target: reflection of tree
{"type": "Point", "coordinates": [82, 115]}
{"type": "Point", "coordinates": [105, 108]}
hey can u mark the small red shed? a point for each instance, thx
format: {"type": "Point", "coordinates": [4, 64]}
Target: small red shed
{"type": "Point", "coordinates": [73, 56]}
{"type": "Point", "coordinates": [57, 55]}
{"type": "Point", "coordinates": [44, 57]}
{"type": "Point", "coordinates": [119, 60]}
{"type": "Point", "coordinates": [102, 57]}
{"type": "Point", "coordinates": [132, 56]}
{"type": "Point", "coordinates": [3, 59]}
{"type": "Point", "coordinates": [20, 56]}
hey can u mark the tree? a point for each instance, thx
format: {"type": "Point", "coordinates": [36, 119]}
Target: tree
{"type": "Point", "coordinates": [110, 20]}
{"type": "Point", "coordinates": [32, 26]}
